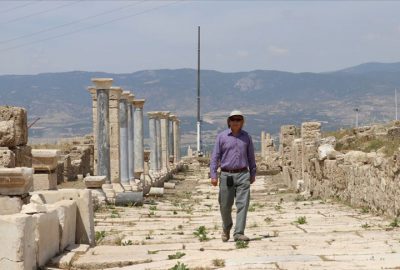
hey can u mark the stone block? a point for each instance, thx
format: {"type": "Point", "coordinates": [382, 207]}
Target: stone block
{"type": "Point", "coordinates": [94, 181]}
{"type": "Point", "coordinates": [18, 118]}
{"type": "Point", "coordinates": [45, 159]}
{"type": "Point", "coordinates": [7, 158]}
{"type": "Point", "coordinates": [18, 247]}
{"type": "Point", "coordinates": [33, 208]}
{"type": "Point", "coordinates": [23, 155]}
{"type": "Point", "coordinates": [47, 236]}
{"type": "Point", "coordinates": [44, 181]}
{"type": "Point", "coordinates": [16, 181]}
{"type": "Point", "coordinates": [10, 205]}
{"type": "Point", "coordinates": [84, 217]}
{"type": "Point", "coordinates": [66, 211]}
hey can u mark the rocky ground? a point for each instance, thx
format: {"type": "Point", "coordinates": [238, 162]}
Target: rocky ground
{"type": "Point", "coordinates": [287, 232]}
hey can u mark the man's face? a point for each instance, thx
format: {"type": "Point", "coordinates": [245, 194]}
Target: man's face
{"type": "Point", "coordinates": [236, 122]}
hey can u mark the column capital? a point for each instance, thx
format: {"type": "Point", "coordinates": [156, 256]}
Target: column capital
{"type": "Point", "coordinates": [152, 115]}
{"type": "Point", "coordinates": [164, 115]}
{"type": "Point", "coordinates": [139, 103]}
{"type": "Point", "coordinates": [131, 98]}
{"type": "Point", "coordinates": [172, 117]}
{"type": "Point", "coordinates": [115, 92]}
{"type": "Point", "coordinates": [93, 92]}
{"type": "Point", "coordinates": [102, 83]}
{"type": "Point", "coordinates": [125, 95]}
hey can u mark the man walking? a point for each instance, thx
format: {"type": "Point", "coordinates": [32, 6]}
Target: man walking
{"type": "Point", "coordinates": [234, 153]}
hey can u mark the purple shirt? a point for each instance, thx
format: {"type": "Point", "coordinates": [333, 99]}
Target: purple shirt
{"type": "Point", "coordinates": [233, 152]}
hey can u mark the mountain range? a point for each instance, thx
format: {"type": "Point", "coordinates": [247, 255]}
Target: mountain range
{"type": "Point", "coordinates": [269, 98]}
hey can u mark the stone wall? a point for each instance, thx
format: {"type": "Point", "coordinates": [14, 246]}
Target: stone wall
{"type": "Point", "coordinates": [312, 166]}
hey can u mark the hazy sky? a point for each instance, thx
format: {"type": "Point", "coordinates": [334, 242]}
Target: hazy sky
{"type": "Point", "coordinates": [236, 35]}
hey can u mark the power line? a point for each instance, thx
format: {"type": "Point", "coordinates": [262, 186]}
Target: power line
{"type": "Point", "coordinates": [40, 12]}
{"type": "Point", "coordinates": [17, 7]}
{"type": "Point", "coordinates": [69, 23]}
{"type": "Point", "coordinates": [90, 27]}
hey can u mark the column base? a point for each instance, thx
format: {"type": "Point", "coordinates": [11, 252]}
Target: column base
{"type": "Point", "coordinates": [118, 188]}
{"type": "Point", "coordinates": [127, 187]}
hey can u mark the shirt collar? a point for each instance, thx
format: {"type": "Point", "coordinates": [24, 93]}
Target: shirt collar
{"type": "Point", "coordinates": [231, 134]}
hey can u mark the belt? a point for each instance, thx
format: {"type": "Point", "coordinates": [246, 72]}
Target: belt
{"type": "Point", "coordinates": [235, 170]}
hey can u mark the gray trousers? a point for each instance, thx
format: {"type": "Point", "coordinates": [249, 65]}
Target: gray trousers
{"type": "Point", "coordinates": [240, 190]}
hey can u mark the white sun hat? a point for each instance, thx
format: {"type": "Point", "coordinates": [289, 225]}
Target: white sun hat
{"type": "Point", "coordinates": [236, 112]}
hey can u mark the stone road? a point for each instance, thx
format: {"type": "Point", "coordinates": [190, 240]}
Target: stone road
{"type": "Point", "coordinates": [332, 236]}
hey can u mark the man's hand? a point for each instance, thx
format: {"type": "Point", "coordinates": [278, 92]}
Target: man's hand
{"type": "Point", "coordinates": [214, 182]}
{"type": "Point", "coordinates": [252, 180]}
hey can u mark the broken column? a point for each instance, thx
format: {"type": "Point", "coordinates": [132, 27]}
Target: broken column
{"type": "Point", "coordinates": [153, 141]}
{"type": "Point", "coordinates": [123, 138]}
{"type": "Point", "coordinates": [164, 119]}
{"type": "Point", "coordinates": [138, 137]}
{"type": "Point", "coordinates": [310, 135]}
{"type": "Point", "coordinates": [287, 135]}
{"type": "Point", "coordinates": [262, 140]}
{"type": "Point", "coordinates": [45, 163]}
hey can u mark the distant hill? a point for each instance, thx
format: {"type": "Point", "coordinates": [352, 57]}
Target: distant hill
{"type": "Point", "coordinates": [269, 98]}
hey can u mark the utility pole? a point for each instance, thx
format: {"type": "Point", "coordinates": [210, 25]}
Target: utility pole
{"type": "Point", "coordinates": [357, 110]}
{"type": "Point", "coordinates": [199, 148]}
{"type": "Point", "coordinates": [395, 100]}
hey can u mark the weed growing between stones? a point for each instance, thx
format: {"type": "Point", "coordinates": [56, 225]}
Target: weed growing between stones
{"type": "Point", "coordinates": [365, 225]}
{"type": "Point", "coordinates": [179, 266]}
{"type": "Point", "coordinates": [218, 262]}
{"type": "Point", "coordinates": [177, 255]}
{"type": "Point", "coordinates": [301, 220]}
{"type": "Point", "coordinates": [241, 244]}
{"type": "Point", "coordinates": [201, 233]}
{"type": "Point", "coordinates": [395, 223]}
{"type": "Point", "coordinates": [100, 235]}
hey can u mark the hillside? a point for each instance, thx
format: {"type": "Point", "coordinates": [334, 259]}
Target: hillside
{"type": "Point", "coordinates": [270, 98]}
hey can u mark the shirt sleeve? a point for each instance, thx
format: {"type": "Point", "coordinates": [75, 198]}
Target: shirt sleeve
{"type": "Point", "coordinates": [251, 157]}
{"type": "Point", "coordinates": [215, 158]}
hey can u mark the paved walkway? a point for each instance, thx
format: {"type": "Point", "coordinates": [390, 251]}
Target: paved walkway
{"type": "Point", "coordinates": [333, 236]}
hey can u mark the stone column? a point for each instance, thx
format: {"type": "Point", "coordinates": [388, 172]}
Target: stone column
{"type": "Point", "coordinates": [115, 94]}
{"type": "Point", "coordinates": [138, 137]}
{"type": "Point", "coordinates": [175, 138]}
{"type": "Point", "coordinates": [131, 147]}
{"type": "Point", "coordinates": [103, 86]}
{"type": "Point", "coordinates": [178, 135]}
{"type": "Point", "coordinates": [171, 147]}
{"type": "Point", "coordinates": [93, 93]}
{"type": "Point", "coordinates": [153, 141]}
{"type": "Point", "coordinates": [164, 140]}
{"type": "Point", "coordinates": [158, 136]}
{"type": "Point", "coordinates": [123, 139]}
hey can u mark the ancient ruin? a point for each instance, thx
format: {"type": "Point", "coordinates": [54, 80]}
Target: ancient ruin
{"type": "Point", "coordinates": [105, 201]}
